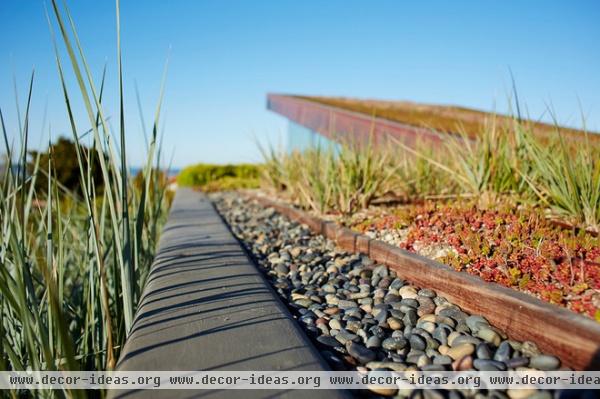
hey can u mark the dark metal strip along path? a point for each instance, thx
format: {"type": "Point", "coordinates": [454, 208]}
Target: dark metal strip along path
{"type": "Point", "coordinates": [207, 307]}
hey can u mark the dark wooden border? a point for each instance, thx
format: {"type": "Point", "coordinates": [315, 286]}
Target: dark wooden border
{"type": "Point", "coordinates": [337, 123]}
{"type": "Point", "coordinates": [575, 339]}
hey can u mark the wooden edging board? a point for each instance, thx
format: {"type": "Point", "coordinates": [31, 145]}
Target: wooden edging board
{"type": "Point", "coordinates": [575, 339]}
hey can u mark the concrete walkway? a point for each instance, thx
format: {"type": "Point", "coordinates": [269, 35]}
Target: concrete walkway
{"type": "Point", "coordinates": [207, 307]}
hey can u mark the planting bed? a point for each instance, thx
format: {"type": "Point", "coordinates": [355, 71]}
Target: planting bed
{"type": "Point", "coordinates": [574, 338]}
{"type": "Point", "coordinates": [361, 315]}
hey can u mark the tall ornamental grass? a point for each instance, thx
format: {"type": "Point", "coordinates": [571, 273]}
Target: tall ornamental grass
{"type": "Point", "coordinates": [562, 177]}
{"type": "Point", "coordinates": [505, 162]}
{"type": "Point", "coordinates": [417, 176]}
{"type": "Point", "coordinates": [74, 262]}
{"type": "Point", "coordinates": [343, 178]}
{"type": "Point", "coordinates": [567, 180]}
{"type": "Point", "coordinates": [486, 168]}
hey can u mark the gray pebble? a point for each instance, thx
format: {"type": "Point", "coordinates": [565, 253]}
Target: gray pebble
{"type": "Point", "coordinates": [381, 316]}
{"type": "Point", "coordinates": [442, 359]}
{"type": "Point", "coordinates": [489, 335]}
{"type": "Point", "coordinates": [544, 362]}
{"type": "Point", "coordinates": [396, 284]}
{"type": "Point", "coordinates": [488, 365]}
{"type": "Point", "coordinates": [305, 302]}
{"type": "Point", "coordinates": [441, 335]}
{"type": "Point", "coordinates": [410, 302]}
{"type": "Point", "coordinates": [345, 304]}
{"type": "Point", "coordinates": [282, 269]}
{"type": "Point", "coordinates": [504, 352]}
{"type": "Point", "coordinates": [466, 339]}
{"type": "Point", "coordinates": [373, 342]}
{"type": "Point", "coordinates": [483, 351]}
{"type": "Point", "coordinates": [329, 341]}
{"type": "Point", "coordinates": [377, 331]}
{"type": "Point", "coordinates": [335, 324]}
{"type": "Point", "coordinates": [417, 342]}
{"type": "Point", "coordinates": [427, 293]}
{"type": "Point", "coordinates": [360, 353]}
{"type": "Point", "coordinates": [344, 336]}
{"type": "Point", "coordinates": [453, 313]}
{"type": "Point", "coordinates": [353, 312]}
{"type": "Point", "coordinates": [517, 362]}
{"type": "Point", "coordinates": [395, 343]}
{"type": "Point", "coordinates": [410, 318]}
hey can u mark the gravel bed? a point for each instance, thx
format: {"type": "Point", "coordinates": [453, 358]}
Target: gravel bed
{"type": "Point", "coordinates": [362, 316]}
{"type": "Point", "coordinates": [397, 237]}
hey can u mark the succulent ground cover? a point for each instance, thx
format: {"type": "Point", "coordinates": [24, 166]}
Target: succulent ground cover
{"type": "Point", "coordinates": [518, 248]}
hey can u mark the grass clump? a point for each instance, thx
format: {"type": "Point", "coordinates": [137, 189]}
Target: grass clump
{"type": "Point", "coordinates": [341, 179]}
{"type": "Point", "coordinates": [550, 173]}
{"type": "Point", "coordinates": [220, 177]}
{"type": "Point", "coordinates": [75, 259]}
{"type": "Point", "coordinates": [418, 177]}
{"type": "Point", "coordinates": [488, 168]}
{"type": "Point", "coordinates": [567, 180]}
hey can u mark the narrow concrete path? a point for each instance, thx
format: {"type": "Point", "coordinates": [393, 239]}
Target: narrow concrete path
{"type": "Point", "coordinates": [207, 307]}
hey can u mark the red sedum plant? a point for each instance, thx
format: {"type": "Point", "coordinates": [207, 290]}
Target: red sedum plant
{"type": "Point", "coordinates": [518, 249]}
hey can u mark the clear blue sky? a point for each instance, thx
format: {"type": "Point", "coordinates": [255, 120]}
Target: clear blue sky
{"type": "Point", "coordinates": [226, 55]}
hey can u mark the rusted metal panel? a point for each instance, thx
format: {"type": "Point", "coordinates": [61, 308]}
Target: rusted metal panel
{"type": "Point", "coordinates": [338, 124]}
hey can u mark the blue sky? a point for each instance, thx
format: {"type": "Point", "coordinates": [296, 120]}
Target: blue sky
{"type": "Point", "coordinates": [226, 55]}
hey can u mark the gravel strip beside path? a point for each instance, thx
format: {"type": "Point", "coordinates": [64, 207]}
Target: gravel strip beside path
{"type": "Point", "coordinates": [362, 316]}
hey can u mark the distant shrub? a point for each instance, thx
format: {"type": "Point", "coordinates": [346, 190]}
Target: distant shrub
{"type": "Point", "coordinates": [66, 165]}
{"type": "Point", "coordinates": [231, 183]}
{"type": "Point", "coordinates": [220, 177]}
